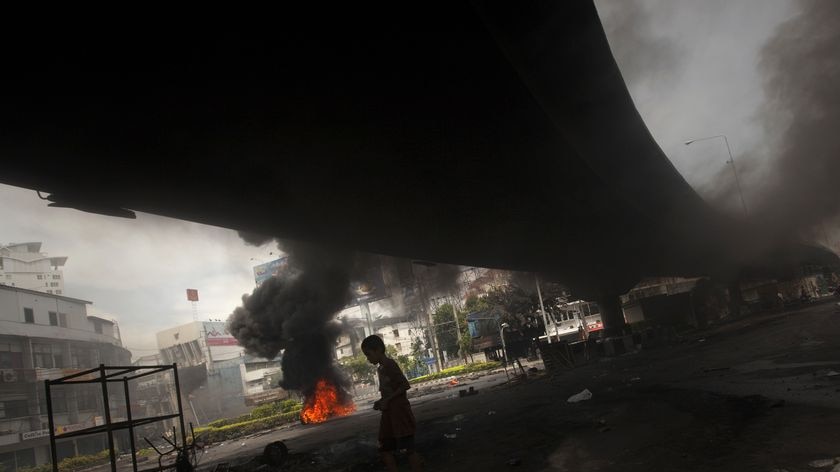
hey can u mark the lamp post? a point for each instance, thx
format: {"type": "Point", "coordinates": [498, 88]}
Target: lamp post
{"type": "Point", "coordinates": [731, 161]}
{"type": "Point", "coordinates": [504, 347]}
{"type": "Point", "coordinates": [542, 309]}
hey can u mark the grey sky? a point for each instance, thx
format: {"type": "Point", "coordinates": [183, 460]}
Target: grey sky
{"type": "Point", "coordinates": [692, 70]}
{"type": "Point", "coordinates": [137, 270]}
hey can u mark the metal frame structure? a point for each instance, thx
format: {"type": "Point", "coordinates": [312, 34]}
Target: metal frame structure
{"type": "Point", "coordinates": [113, 374]}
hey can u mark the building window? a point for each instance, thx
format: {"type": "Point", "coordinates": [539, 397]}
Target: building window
{"type": "Point", "coordinates": [97, 326]}
{"type": "Point", "coordinates": [28, 315]}
{"type": "Point", "coordinates": [40, 277]}
{"type": "Point", "coordinates": [396, 333]}
{"type": "Point", "coordinates": [42, 354]}
{"type": "Point", "coordinates": [62, 317]}
{"type": "Point", "coordinates": [14, 409]}
{"type": "Point", "coordinates": [53, 284]}
{"type": "Point", "coordinates": [49, 291]}
{"type": "Point", "coordinates": [88, 399]}
{"type": "Point", "coordinates": [399, 347]}
{"type": "Point", "coordinates": [11, 355]}
{"type": "Point", "coordinates": [56, 277]}
{"type": "Point", "coordinates": [58, 292]}
{"type": "Point", "coordinates": [53, 318]}
{"type": "Point", "coordinates": [341, 351]}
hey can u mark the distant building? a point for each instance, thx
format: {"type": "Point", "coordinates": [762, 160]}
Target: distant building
{"type": "Point", "coordinates": [217, 378]}
{"type": "Point", "coordinates": [23, 265]}
{"type": "Point", "coordinates": [47, 336]}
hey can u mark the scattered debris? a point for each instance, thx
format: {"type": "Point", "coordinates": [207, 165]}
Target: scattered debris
{"type": "Point", "coordinates": [450, 436]}
{"type": "Point", "coordinates": [458, 417]}
{"type": "Point", "coordinates": [701, 340]}
{"type": "Point", "coordinates": [820, 463]}
{"type": "Point", "coordinates": [604, 429]}
{"type": "Point", "coordinates": [465, 393]}
{"type": "Point", "coordinates": [635, 379]}
{"type": "Point", "coordinates": [453, 381]}
{"type": "Point", "coordinates": [514, 462]}
{"type": "Point", "coordinates": [579, 397]}
{"type": "Point", "coordinates": [491, 412]}
{"type": "Point", "coordinates": [832, 373]}
{"type": "Point", "coordinates": [242, 445]}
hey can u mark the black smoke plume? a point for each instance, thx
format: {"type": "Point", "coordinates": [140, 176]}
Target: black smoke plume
{"type": "Point", "coordinates": [295, 313]}
{"type": "Point", "coordinates": [801, 114]}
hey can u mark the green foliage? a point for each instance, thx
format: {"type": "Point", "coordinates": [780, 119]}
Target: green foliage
{"type": "Point", "coordinates": [227, 421]}
{"type": "Point", "coordinates": [72, 463]}
{"type": "Point", "coordinates": [458, 370]}
{"type": "Point", "coordinates": [290, 405]}
{"type": "Point", "coordinates": [475, 304]}
{"type": "Point", "coordinates": [232, 431]}
{"type": "Point", "coordinates": [38, 468]}
{"type": "Point", "coordinates": [358, 368]}
{"type": "Point", "coordinates": [516, 302]}
{"type": "Point", "coordinates": [448, 334]}
{"type": "Point", "coordinates": [264, 411]}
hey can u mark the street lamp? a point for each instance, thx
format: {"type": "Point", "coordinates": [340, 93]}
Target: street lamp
{"type": "Point", "coordinates": [731, 161]}
{"type": "Point", "coordinates": [504, 347]}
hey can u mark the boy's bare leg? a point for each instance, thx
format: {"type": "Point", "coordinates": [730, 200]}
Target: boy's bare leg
{"type": "Point", "coordinates": [415, 462]}
{"type": "Point", "coordinates": [390, 461]}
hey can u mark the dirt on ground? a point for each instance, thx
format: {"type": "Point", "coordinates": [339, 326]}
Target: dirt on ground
{"type": "Point", "coordinates": [758, 394]}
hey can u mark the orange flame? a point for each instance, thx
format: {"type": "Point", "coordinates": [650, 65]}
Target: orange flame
{"type": "Point", "coordinates": [324, 403]}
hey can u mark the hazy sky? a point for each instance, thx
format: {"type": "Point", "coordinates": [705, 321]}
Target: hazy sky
{"type": "Point", "coordinates": [691, 67]}
{"type": "Point", "coordinates": [137, 270]}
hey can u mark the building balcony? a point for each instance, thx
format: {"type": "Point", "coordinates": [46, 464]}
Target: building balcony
{"type": "Point", "coordinates": [14, 328]}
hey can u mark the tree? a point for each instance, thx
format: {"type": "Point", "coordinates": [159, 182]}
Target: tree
{"type": "Point", "coordinates": [358, 367]}
{"type": "Point", "coordinates": [448, 334]}
{"type": "Point", "coordinates": [407, 364]}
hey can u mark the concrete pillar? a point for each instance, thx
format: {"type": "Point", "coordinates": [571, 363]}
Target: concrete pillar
{"type": "Point", "coordinates": [611, 315]}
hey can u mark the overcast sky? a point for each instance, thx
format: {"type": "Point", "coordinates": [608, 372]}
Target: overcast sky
{"type": "Point", "coordinates": [691, 67]}
{"type": "Point", "coordinates": [137, 270]}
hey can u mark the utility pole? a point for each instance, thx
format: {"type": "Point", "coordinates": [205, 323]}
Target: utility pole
{"type": "Point", "coordinates": [542, 308]}
{"type": "Point", "coordinates": [365, 309]}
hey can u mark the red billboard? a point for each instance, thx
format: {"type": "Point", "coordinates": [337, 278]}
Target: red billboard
{"type": "Point", "coordinates": [192, 294]}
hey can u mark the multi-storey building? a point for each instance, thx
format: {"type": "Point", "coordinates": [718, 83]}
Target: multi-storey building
{"type": "Point", "coordinates": [47, 336]}
{"type": "Point", "coordinates": [23, 265]}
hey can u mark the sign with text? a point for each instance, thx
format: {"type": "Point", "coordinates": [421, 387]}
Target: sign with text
{"type": "Point", "coordinates": [271, 269]}
{"type": "Point", "coordinates": [217, 334]}
{"type": "Point", "coordinates": [192, 294]}
{"type": "Point", "coordinates": [34, 434]}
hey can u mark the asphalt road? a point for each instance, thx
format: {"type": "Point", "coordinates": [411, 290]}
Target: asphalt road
{"type": "Point", "coordinates": [759, 393]}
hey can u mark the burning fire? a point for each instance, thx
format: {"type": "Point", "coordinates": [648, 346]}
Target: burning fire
{"type": "Point", "coordinates": [324, 403]}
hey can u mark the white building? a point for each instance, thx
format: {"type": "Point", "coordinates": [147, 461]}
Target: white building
{"type": "Point", "coordinates": [397, 333]}
{"type": "Point", "coordinates": [24, 265]}
{"type": "Point", "coordinates": [46, 336]}
{"type": "Point", "coordinates": [219, 376]}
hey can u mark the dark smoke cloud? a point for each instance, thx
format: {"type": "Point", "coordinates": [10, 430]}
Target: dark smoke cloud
{"type": "Point", "coordinates": [255, 239]}
{"type": "Point", "coordinates": [802, 110]}
{"type": "Point", "coordinates": [296, 313]}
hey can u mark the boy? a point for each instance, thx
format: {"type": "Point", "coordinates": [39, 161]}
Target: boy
{"type": "Point", "coordinates": [396, 428]}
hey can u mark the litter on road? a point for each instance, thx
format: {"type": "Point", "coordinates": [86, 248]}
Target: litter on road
{"type": "Point", "coordinates": [579, 397]}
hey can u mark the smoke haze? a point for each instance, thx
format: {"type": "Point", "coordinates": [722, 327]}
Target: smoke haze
{"type": "Point", "coordinates": [802, 117]}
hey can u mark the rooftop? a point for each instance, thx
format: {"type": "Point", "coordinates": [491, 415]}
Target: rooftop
{"type": "Point", "coordinates": [42, 294]}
